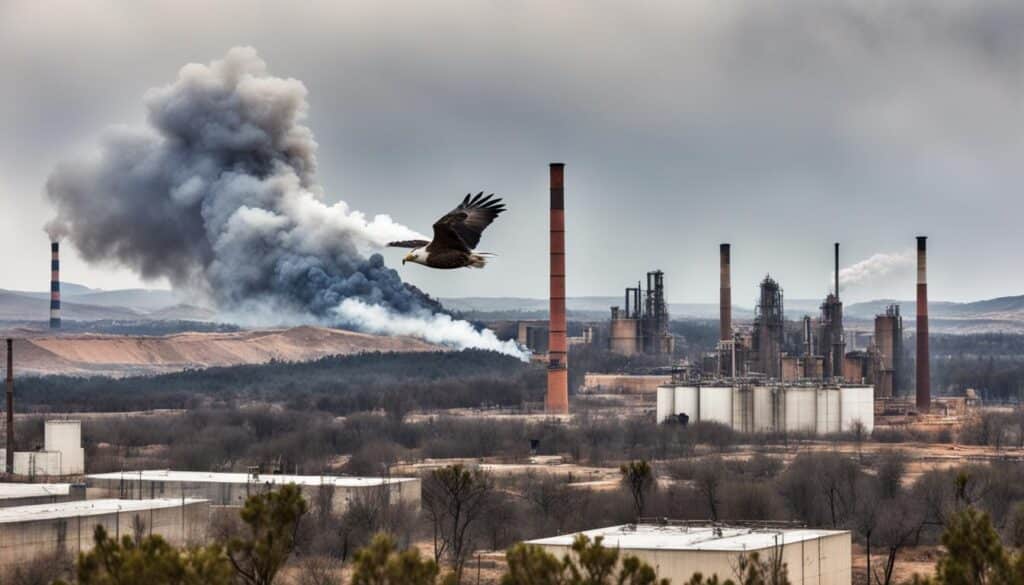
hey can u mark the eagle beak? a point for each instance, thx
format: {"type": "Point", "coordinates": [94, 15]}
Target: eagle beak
{"type": "Point", "coordinates": [408, 257]}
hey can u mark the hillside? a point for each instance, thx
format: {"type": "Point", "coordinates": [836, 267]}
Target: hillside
{"type": "Point", "coordinates": [19, 307]}
{"type": "Point", "coordinates": [118, 355]}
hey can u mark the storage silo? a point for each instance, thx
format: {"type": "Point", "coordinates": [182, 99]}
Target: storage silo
{"type": "Point", "coordinates": [716, 404]}
{"type": "Point", "coordinates": [800, 405]}
{"type": "Point", "coordinates": [764, 409]}
{"type": "Point", "coordinates": [856, 403]}
{"type": "Point", "coordinates": [827, 410]}
{"type": "Point", "coordinates": [687, 399]}
{"type": "Point", "coordinates": [666, 402]}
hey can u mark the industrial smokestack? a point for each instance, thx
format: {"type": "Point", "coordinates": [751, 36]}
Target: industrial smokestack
{"type": "Point", "coordinates": [9, 464]}
{"type": "Point", "coordinates": [557, 400]}
{"type": "Point", "coordinates": [837, 271]}
{"type": "Point", "coordinates": [725, 295]}
{"type": "Point", "coordinates": [54, 285]}
{"type": "Point", "coordinates": [924, 397]}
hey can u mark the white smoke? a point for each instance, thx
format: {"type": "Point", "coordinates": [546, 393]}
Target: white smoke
{"type": "Point", "coordinates": [876, 267]}
{"type": "Point", "coordinates": [433, 327]}
{"type": "Point", "coordinates": [218, 195]}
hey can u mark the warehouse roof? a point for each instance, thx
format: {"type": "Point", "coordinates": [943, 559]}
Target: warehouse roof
{"type": "Point", "coordinates": [208, 477]}
{"type": "Point", "coordinates": [87, 508]}
{"type": "Point", "coordinates": [13, 491]}
{"type": "Point", "coordinates": [696, 538]}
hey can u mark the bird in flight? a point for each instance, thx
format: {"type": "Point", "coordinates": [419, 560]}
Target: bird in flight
{"type": "Point", "coordinates": [455, 235]}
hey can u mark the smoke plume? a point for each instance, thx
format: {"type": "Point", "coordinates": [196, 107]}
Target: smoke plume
{"type": "Point", "coordinates": [218, 195]}
{"type": "Point", "coordinates": [875, 267]}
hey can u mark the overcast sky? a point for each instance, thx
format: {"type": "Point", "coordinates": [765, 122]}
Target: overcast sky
{"type": "Point", "coordinates": [778, 126]}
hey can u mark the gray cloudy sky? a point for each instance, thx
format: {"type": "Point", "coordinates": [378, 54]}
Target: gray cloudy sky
{"type": "Point", "coordinates": [777, 126]}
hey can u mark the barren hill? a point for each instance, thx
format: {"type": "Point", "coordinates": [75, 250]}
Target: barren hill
{"type": "Point", "coordinates": [122, 355]}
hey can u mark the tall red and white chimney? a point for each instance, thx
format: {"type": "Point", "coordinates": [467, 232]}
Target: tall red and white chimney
{"type": "Point", "coordinates": [557, 399]}
{"type": "Point", "coordinates": [924, 385]}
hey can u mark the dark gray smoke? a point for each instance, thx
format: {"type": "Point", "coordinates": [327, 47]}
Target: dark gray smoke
{"type": "Point", "coordinates": [218, 195]}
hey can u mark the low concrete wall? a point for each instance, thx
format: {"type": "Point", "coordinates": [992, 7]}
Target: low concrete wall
{"type": "Point", "coordinates": [49, 535]}
{"type": "Point", "coordinates": [235, 494]}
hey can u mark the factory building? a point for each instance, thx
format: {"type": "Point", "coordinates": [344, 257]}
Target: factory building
{"type": "Point", "coordinates": [232, 489]}
{"type": "Point", "coordinates": [641, 326]}
{"type": "Point", "coordinates": [767, 338]}
{"type": "Point", "coordinates": [62, 454]}
{"type": "Point", "coordinates": [760, 406]}
{"type": "Point", "coordinates": [533, 335]}
{"type": "Point", "coordinates": [28, 494]}
{"type": "Point", "coordinates": [623, 383]}
{"type": "Point", "coordinates": [66, 528]}
{"type": "Point", "coordinates": [888, 343]}
{"type": "Point", "coordinates": [677, 552]}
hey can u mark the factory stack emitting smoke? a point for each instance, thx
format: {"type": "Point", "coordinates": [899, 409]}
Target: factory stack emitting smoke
{"type": "Point", "coordinates": [924, 398]}
{"type": "Point", "coordinates": [557, 399]}
{"type": "Point", "coordinates": [55, 285]}
{"type": "Point", "coordinates": [9, 463]}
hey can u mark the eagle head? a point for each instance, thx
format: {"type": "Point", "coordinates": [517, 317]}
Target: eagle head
{"type": "Point", "coordinates": [419, 256]}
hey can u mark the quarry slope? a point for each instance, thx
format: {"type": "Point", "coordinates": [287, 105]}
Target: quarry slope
{"type": "Point", "coordinates": [119, 355]}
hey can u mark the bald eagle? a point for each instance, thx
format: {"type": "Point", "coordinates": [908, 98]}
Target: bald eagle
{"type": "Point", "coordinates": [455, 235]}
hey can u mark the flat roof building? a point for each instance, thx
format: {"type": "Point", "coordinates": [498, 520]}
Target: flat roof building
{"type": "Point", "coordinates": [66, 528]}
{"type": "Point", "coordinates": [676, 552]}
{"type": "Point", "coordinates": [232, 489]}
{"type": "Point", "coordinates": [27, 494]}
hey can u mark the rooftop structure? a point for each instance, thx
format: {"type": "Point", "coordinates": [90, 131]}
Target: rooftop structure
{"type": "Point", "coordinates": [88, 508]}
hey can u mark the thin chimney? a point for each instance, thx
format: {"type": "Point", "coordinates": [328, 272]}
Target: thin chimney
{"type": "Point", "coordinates": [9, 464]}
{"type": "Point", "coordinates": [557, 399]}
{"type": "Point", "coordinates": [924, 398]}
{"type": "Point", "coordinates": [725, 294]}
{"type": "Point", "coordinates": [54, 285]}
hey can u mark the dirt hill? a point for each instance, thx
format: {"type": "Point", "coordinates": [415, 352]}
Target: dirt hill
{"type": "Point", "coordinates": [123, 355]}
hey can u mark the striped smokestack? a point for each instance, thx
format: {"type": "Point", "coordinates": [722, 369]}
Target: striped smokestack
{"type": "Point", "coordinates": [924, 396]}
{"type": "Point", "coordinates": [725, 295]}
{"type": "Point", "coordinates": [9, 464]}
{"type": "Point", "coordinates": [54, 285]}
{"type": "Point", "coordinates": [557, 399]}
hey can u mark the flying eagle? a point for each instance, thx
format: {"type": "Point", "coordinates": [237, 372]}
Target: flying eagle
{"type": "Point", "coordinates": [455, 235]}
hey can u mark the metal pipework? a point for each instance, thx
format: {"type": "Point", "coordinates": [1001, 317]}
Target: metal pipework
{"type": "Point", "coordinates": [924, 398]}
{"type": "Point", "coordinates": [557, 399]}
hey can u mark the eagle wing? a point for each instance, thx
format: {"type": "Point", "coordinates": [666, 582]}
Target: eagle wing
{"type": "Point", "coordinates": [408, 244]}
{"type": "Point", "coordinates": [461, 227]}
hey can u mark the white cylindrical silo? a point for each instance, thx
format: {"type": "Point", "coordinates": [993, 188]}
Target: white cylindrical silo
{"type": "Point", "coordinates": [856, 403]}
{"type": "Point", "coordinates": [716, 404]}
{"type": "Point", "coordinates": [800, 404]}
{"type": "Point", "coordinates": [666, 403]}
{"type": "Point", "coordinates": [688, 402]}
{"type": "Point", "coordinates": [828, 408]}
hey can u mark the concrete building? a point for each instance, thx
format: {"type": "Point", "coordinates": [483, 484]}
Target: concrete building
{"type": "Point", "coordinates": [46, 530]}
{"type": "Point", "coordinates": [812, 557]}
{"type": "Point", "coordinates": [624, 383]}
{"type": "Point", "coordinates": [27, 494]}
{"type": "Point", "coordinates": [62, 453]}
{"type": "Point", "coordinates": [755, 405]}
{"type": "Point", "coordinates": [232, 489]}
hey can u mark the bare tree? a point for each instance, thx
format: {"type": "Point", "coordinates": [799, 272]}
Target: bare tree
{"type": "Point", "coordinates": [454, 498]}
{"type": "Point", "coordinates": [709, 479]}
{"type": "Point", "coordinates": [638, 478]}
